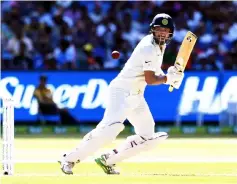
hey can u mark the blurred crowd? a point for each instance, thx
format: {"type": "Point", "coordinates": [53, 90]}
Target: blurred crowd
{"type": "Point", "coordinates": [82, 34]}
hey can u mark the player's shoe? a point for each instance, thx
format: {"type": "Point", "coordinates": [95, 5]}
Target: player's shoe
{"type": "Point", "coordinates": [108, 169]}
{"type": "Point", "coordinates": [66, 167]}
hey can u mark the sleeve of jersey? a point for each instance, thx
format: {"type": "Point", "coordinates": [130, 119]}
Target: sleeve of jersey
{"type": "Point", "coordinates": [148, 62]}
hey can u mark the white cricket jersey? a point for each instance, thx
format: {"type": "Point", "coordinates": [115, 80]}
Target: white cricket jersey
{"type": "Point", "coordinates": [147, 56]}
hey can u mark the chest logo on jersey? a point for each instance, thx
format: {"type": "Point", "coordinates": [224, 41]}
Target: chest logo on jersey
{"type": "Point", "coordinates": [147, 61]}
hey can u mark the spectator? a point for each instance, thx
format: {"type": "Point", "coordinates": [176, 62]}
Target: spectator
{"type": "Point", "coordinates": [22, 61]}
{"type": "Point", "coordinates": [96, 15]}
{"type": "Point", "coordinates": [65, 55]}
{"type": "Point", "coordinates": [13, 44]}
{"type": "Point", "coordinates": [46, 104]}
{"type": "Point", "coordinates": [49, 61]}
{"type": "Point", "coordinates": [111, 26]}
{"type": "Point", "coordinates": [92, 63]}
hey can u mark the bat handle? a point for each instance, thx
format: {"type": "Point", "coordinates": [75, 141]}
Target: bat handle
{"type": "Point", "coordinates": [171, 88]}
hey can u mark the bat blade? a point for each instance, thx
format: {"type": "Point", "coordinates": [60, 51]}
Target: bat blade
{"type": "Point", "coordinates": [184, 53]}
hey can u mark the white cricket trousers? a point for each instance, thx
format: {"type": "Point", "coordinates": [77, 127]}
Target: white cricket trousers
{"type": "Point", "coordinates": [121, 104]}
{"type": "Point", "coordinates": [124, 104]}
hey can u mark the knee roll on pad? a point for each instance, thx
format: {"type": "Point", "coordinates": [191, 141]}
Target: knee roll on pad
{"type": "Point", "coordinates": [160, 136]}
{"type": "Point", "coordinates": [157, 138]}
{"type": "Point", "coordinates": [135, 140]}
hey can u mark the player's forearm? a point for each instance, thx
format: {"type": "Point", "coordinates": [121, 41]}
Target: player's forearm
{"type": "Point", "coordinates": [157, 80]}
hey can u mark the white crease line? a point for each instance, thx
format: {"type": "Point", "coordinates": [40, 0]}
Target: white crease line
{"type": "Point", "coordinates": [142, 160]}
{"type": "Point", "coordinates": [127, 175]}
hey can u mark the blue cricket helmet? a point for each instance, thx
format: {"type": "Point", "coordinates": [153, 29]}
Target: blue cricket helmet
{"type": "Point", "coordinates": [163, 20]}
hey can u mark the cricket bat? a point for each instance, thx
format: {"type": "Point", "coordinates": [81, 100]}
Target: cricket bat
{"type": "Point", "coordinates": [184, 53]}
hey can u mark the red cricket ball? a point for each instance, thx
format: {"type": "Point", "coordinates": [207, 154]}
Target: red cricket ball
{"type": "Point", "coordinates": [115, 54]}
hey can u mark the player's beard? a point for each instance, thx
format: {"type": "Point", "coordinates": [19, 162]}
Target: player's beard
{"type": "Point", "coordinates": [161, 40]}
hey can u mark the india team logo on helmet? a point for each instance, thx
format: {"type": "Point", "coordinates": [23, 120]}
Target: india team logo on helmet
{"type": "Point", "coordinates": [164, 22]}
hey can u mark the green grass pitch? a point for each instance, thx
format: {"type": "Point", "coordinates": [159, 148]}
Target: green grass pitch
{"type": "Point", "coordinates": [176, 161]}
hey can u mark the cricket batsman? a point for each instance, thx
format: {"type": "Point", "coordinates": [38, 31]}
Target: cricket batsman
{"type": "Point", "coordinates": [126, 101]}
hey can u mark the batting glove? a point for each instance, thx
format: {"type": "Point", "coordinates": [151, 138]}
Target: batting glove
{"type": "Point", "coordinates": [174, 77]}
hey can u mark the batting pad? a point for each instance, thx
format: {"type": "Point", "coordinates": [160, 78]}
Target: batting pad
{"type": "Point", "coordinates": [98, 137]}
{"type": "Point", "coordinates": [135, 144]}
